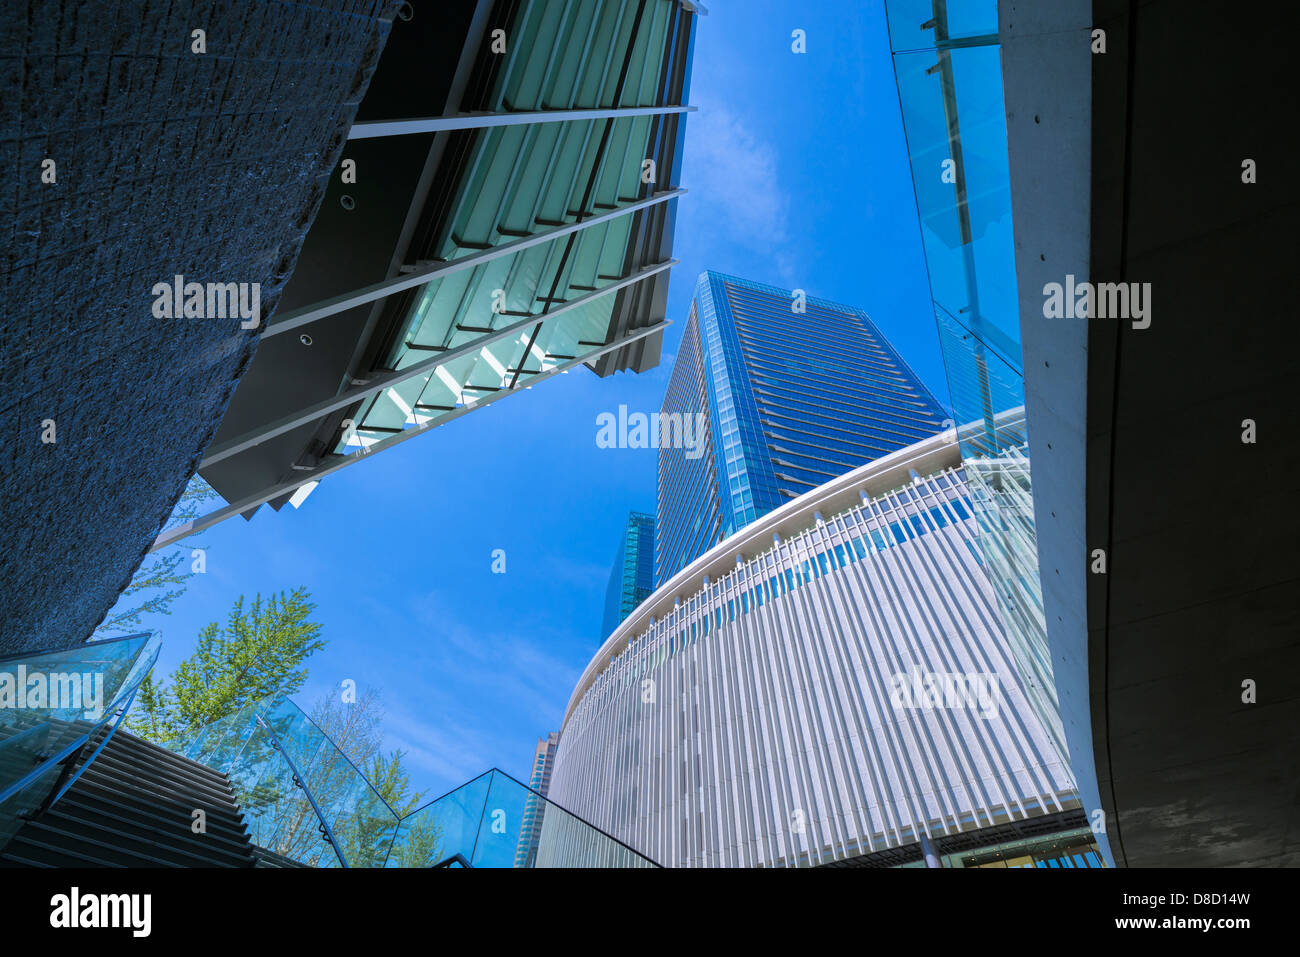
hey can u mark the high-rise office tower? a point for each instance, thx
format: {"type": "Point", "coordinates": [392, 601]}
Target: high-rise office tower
{"type": "Point", "coordinates": [539, 780]}
{"type": "Point", "coordinates": [790, 391]}
{"type": "Point", "coordinates": [632, 577]}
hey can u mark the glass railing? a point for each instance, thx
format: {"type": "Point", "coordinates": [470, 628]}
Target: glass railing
{"type": "Point", "coordinates": [301, 796]}
{"type": "Point", "coordinates": [496, 821]}
{"type": "Point", "coordinates": [304, 799]}
{"type": "Point", "coordinates": [57, 711]}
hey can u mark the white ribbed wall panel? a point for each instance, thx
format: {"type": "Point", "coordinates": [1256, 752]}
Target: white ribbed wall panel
{"type": "Point", "coordinates": [772, 740]}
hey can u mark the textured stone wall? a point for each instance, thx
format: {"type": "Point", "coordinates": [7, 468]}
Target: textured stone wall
{"type": "Point", "coordinates": [166, 161]}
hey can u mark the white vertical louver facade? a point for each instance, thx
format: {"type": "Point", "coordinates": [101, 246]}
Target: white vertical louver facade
{"type": "Point", "coordinates": [757, 721]}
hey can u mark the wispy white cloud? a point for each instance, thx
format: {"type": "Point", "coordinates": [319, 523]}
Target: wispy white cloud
{"type": "Point", "coordinates": [491, 680]}
{"type": "Point", "coordinates": [735, 182]}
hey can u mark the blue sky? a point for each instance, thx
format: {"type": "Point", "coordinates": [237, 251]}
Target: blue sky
{"type": "Point", "coordinates": [798, 176]}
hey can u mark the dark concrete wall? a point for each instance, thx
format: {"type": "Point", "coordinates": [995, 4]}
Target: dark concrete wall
{"type": "Point", "coordinates": [168, 162]}
{"type": "Point", "coordinates": [1199, 527]}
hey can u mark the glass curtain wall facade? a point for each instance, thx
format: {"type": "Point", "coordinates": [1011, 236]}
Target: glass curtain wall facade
{"type": "Point", "coordinates": [947, 63]}
{"type": "Point", "coordinates": [794, 391]}
{"type": "Point", "coordinates": [632, 578]}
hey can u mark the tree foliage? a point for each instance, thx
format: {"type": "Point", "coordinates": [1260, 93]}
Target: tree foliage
{"type": "Point", "coordinates": [258, 652]}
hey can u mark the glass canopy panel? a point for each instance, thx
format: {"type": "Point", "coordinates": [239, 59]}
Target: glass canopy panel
{"type": "Point", "coordinates": [953, 110]}
{"type": "Point", "coordinates": [114, 666]}
{"type": "Point", "coordinates": [523, 180]}
{"type": "Point", "coordinates": [566, 840]}
{"type": "Point", "coordinates": [497, 843]}
{"type": "Point", "coordinates": [965, 19]}
{"type": "Point", "coordinates": [481, 373]}
{"type": "Point", "coordinates": [264, 788]}
{"type": "Point", "coordinates": [485, 820]}
{"type": "Point", "coordinates": [216, 743]}
{"type": "Point", "coordinates": [981, 385]}
{"type": "Point", "coordinates": [362, 822]}
{"type": "Point", "coordinates": [568, 56]}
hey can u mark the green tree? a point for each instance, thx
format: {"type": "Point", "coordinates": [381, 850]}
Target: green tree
{"type": "Point", "coordinates": [258, 652]}
{"type": "Point", "coordinates": [390, 779]}
{"type": "Point", "coordinates": [161, 578]}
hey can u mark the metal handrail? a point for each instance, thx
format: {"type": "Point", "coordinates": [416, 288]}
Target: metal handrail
{"type": "Point", "coordinates": [325, 828]}
{"type": "Point", "coordinates": [44, 766]}
{"type": "Point", "coordinates": [94, 754]}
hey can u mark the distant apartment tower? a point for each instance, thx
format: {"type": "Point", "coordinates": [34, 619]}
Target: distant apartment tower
{"type": "Point", "coordinates": [794, 391]}
{"type": "Point", "coordinates": [632, 577]}
{"type": "Point", "coordinates": [539, 779]}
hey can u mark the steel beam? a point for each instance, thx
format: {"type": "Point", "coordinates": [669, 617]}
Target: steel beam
{"type": "Point", "coordinates": [346, 398]}
{"type": "Point", "coordinates": [478, 121]}
{"type": "Point", "coordinates": [296, 318]}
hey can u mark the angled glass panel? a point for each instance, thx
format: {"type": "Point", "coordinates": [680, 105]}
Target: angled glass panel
{"type": "Point", "coordinates": [954, 115]}
{"type": "Point", "coordinates": [912, 22]}
{"type": "Point", "coordinates": [442, 828]}
{"type": "Point", "coordinates": [955, 120]}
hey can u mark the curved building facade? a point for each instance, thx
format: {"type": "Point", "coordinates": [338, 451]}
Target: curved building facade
{"type": "Point", "coordinates": [831, 685]}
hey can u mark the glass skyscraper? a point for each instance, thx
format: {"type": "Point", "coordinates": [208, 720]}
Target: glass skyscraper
{"type": "Point", "coordinates": [632, 578]}
{"type": "Point", "coordinates": [793, 391]}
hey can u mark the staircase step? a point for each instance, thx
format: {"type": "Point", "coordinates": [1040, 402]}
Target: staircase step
{"type": "Point", "coordinates": [15, 860]}
{"type": "Point", "coordinates": [24, 845]}
{"type": "Point", "coordinates": [69, 833]}
{"type": "Point", "coordinates": [149, 752]}
{"type": "Point", "coordinates": [135, 814]}
{"type": "Point", "coordinates": [113, 779]}
{"type": "Point", "coordinates": [110, 761]}
{"type": "Point", "coordinates": [212, 842]}
{"type": "Point", "coordinates": [132, 807]}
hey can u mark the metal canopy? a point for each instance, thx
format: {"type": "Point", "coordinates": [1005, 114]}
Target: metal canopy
{"type": "Point", "coordinates": [521, 222]}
